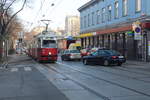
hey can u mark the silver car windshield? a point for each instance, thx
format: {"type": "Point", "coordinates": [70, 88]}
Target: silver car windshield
{"type": "Point", "coordinates": [74, 51]}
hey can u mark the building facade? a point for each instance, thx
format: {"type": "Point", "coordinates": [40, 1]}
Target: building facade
{"type": "Point", "coordinates": [122, 25]}
{"type": "Point", "coordinates": [72, 25]}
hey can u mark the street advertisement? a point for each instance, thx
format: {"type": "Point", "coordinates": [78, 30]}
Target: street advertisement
{"type": "Point", "coordinates": [149, 48]}
{"type": "Point", "coordinates": [137, 30]}
{"type": "Point", "coordinates": [137, 36]}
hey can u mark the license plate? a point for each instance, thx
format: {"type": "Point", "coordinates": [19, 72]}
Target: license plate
{"type": "Point", "coordinates": [121, 56]}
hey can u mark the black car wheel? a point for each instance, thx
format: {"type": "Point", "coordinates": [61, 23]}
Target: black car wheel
{"type": "Point", "coordinates": [106, 63]}
{"type": "Point", "coordinates": [119, 64]}
{"type": "Point", "coordinates": [85, 62]}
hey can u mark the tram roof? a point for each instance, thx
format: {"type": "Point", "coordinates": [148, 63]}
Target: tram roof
{"type": "Point", "coordinates": [48, 35]}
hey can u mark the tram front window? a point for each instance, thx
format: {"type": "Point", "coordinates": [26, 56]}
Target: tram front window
{"type": "Point", "coordinates": [49, 44]}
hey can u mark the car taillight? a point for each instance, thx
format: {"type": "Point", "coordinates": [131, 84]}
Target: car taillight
{"type": "Point", "coordinates": [114, 57]}
{"type": "Point", "coordinates": [68, 54]}
{"type": "Point", "coordinates": [88, 53]}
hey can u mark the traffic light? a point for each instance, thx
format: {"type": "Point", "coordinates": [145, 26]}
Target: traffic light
{"type": "Point", "coordinates": [20, 40]}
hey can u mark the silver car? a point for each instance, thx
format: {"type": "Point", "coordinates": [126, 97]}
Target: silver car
{"type": "Point", "coordinates": [71, 55]}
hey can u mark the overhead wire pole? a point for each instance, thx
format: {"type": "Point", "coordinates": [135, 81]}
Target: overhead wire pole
{"type": "Point", "coordinates": [46, 22]}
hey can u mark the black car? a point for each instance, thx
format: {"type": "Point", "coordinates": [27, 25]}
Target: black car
{"type": "Point", "coordinates": [104, 57]}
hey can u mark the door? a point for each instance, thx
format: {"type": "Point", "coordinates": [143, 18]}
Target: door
{"type": "Point", "coordinates": [101, 56]}
{"type": "Point", "coordinates": [94, 57]}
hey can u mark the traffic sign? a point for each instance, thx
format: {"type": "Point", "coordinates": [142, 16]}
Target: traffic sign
{"type": "Point", "coordinates": [137, 30]}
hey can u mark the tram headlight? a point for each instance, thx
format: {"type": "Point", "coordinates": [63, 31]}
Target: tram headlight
{"type": "Point", "coordinates": [49, 53]}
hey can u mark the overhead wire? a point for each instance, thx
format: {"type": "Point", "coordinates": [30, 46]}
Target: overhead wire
{"type": "Point", "coordinates": [37, 14]}
{"type": "Point", "coordinates": [49, 12]}
{"type": "Point", "coordinates": [56, 5]}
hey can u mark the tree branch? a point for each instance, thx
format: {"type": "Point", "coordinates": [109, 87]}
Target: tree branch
{"type": "Point", "coordinates": [10, 5]}
{"type": "Point", "coordinates": [15, 14]}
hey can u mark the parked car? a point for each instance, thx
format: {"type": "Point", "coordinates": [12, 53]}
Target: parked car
{"type": "Point", "coordinates": [104, 57]}
{"type": "Point", "coordinates": [71, 55]}
{"type": "Point", "coordinates": [84, 52]}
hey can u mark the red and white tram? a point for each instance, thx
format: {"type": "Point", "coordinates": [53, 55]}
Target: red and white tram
{"type": "Point", "coordinates": [44, 48]}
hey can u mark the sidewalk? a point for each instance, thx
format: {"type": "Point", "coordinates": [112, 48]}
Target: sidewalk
{"type": "Point", "coordinates": [22, 81]}
{"type": "Point", "coordinates": [140, 64]}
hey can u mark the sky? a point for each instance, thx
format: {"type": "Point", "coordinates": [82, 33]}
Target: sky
{"type": "Point", "coordinates": [37, 10]}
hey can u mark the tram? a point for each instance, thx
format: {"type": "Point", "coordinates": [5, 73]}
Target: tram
{"type": "Point", "coordinates": [44, 48]}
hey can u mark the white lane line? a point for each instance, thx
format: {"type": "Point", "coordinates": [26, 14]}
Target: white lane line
{"type": "Point", "coordinates": [27, 68]}
{"type": "Point", "coordinates": [14, 69]}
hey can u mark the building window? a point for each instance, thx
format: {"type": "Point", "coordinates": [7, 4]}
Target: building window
{"type": "Point", "coordinates": [116, 9]}
{"type": "Point", "coordinates": [92, 18]}
{"type": "Point", "coordinates": [103, 14]}
{"type": "Point", "coordinates": [138, 5]}
{"type": "Point", "coordinates": [84, 21]}
{"type": "Point", "coordinates": [125, 8]}
{"type": "Point", "coordinates": [109, 12]}
{"type": "Point", "coordinates": [98, 15]}
{"type": "Point", "coordinates": [88, 19]}
{"type": "Point", "coordinates": [81, 21]}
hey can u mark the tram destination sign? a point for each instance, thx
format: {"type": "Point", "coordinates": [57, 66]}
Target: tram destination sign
{"type": "Point", "coordinates": [48, 38]}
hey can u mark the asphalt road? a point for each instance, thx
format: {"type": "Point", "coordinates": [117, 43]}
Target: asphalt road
{"type": "Point", "coordinates": [95, 82]}
{"type": "Point", "coordinates": [25, 79]}
{"type": "Point", "coordinates": [22, 81]}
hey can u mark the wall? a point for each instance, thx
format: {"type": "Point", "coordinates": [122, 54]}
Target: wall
{"type": "Point", "coordinates": [131, 16]}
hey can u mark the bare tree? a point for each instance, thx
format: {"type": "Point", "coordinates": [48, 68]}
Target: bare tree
{"type": "Point", "coordinates": [6, 16]}
{"type": "Point", "coordinates": [7, 21]}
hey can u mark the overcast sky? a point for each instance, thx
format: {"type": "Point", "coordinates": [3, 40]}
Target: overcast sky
{"type": "Point", "coordinates": [33, 14]}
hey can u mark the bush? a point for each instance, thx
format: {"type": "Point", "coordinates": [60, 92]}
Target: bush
{"type": "Point", "coordinates": [11, 51]}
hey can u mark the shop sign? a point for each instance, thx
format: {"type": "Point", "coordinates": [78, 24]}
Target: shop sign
{"type": "Point", "coordinates": [149, 48]}
{"type": "Point", "coordinates": [137, 30]}
{"type": "Point", "coordinates": [130, 33]}
{"type": "Point", "coordinates": [137, 36]}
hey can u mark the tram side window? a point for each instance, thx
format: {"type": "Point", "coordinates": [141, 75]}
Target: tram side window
{"type": "Point", "coordinates": [39, 43]}
{"type": "Point", "coordinates": [49, 44]}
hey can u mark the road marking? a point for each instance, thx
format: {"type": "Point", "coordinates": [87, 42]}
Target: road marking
{"type": "Point", "coordinates": [27, 68]}
{"type": "Point", "coordinates": [14, 69]}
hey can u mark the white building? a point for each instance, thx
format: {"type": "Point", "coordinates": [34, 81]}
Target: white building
{"type": "Point", "coordinates": [72, 25]}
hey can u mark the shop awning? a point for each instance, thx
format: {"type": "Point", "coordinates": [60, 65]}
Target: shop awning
{"type": "Point", "coordinates": [86, 35]}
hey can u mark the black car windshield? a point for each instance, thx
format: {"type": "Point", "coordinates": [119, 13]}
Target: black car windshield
{"type": "Point", "coordinates": [111, 52]}
{"type": "Point", "coordinates": [74, 51]}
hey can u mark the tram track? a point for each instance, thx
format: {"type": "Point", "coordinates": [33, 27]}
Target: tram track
{"type": "Point", "coordinates": [108, 81]}
{"type": "Point", "coordinates": [126, 76]}
{"type": "Point", "coordinates": [83, 86]}
{"type": "Point", "coordinates": [125, 69]}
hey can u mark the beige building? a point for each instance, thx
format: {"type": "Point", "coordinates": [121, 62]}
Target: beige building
{"type": "Point", "coordinates": [72, 25]}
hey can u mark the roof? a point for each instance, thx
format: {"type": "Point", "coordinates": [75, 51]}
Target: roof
{"type": "Point", "coordinates": [87, 5]}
